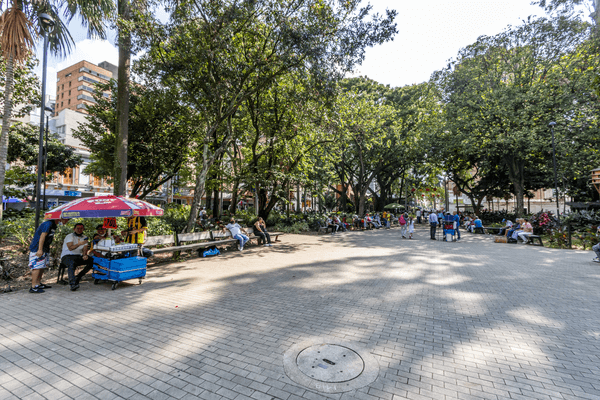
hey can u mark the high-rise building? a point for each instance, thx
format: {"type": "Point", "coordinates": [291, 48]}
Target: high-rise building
{"type": "Point", "coordinates": [75, 85]}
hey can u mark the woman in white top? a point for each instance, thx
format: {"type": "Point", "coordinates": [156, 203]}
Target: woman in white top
{"type": "Point", "coordinates": [411, 227]}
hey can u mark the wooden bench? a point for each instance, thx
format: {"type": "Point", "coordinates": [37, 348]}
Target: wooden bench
{"type": "Point", "coordinates": [169, 241]}
{"type": "Point", "coordinates": [532, 238]}
{"type": "Point", "coordinates": [274, 236]}
{"type": "Point", "coordinates": [195, 241]}
{"type": "Point", "coordinates": [495, 230]}
{"type": "Point", "coordinates": [324, 227]}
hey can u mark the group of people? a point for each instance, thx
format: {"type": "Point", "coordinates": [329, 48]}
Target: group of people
{"type": "Point", "coordinates": [260, 230]}
{"type": "Point", "coordinates": [438, 218]}
{"type": "Point", "coordinates": [77, 249]}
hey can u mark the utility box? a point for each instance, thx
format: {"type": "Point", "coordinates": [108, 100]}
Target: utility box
{"type": "Point", "coordinates": [596, 179]}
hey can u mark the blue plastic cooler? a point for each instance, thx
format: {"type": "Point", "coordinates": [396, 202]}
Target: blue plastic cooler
{"type": "Point", "coordinates": [118, 269]}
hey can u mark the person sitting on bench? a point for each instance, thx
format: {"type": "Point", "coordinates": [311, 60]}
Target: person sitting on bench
{"type": "Point", "coordinates": [74, 254]}
{"type": "Point", "coordinates": [260, 229]}
{"type": "Point", "coordinates": [236, 233]}
{"type": "Point", "coordinates": [526, 232]}
{"type": "Point", "coordinates": [508, 226]}
{"type": "Point", "coordinates": [596, 248]}
{"type": "Point", "coordinates": [332, 225]}
{"type": "Point", "coordinates": [477, 225]}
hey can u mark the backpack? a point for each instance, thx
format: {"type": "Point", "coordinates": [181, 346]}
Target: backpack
{"type": "Point", "coordinates": [402, 221]}
{"type": "Point", "coordinates": [211, 251]}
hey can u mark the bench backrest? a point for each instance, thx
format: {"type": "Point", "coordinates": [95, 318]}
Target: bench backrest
{"type": "Point", "coordinates": [156, 240]}
{"type": "Point", "coordinates": [250, 231]}
{"type": "Point", "coordinates": [194, 236]}
{"type": "Point", "coordinates": [221, 234]}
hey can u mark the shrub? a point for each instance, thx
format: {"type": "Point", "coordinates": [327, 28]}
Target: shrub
{"type": "Point", "coordinates": [298, 227]}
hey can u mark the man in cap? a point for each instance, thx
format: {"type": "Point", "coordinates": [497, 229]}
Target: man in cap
{"type": "Point", "coordinates": [39, 251]}
{"type": "Point", "coordinates": [74, 254]}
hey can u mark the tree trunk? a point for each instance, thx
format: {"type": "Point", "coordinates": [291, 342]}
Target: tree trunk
{"type": "Point", "coordinates": [8, 95]}
{"type": "Point", "coordinates": [234, 196]}
{"type": "Point", "coordinates": [124, 69]}
{"type": "Point", "coordinates": [215, 208]}
{"type": "Point", "coordinates": [515, 174]}
{"type": "Point", "coordinates": [198, 190]}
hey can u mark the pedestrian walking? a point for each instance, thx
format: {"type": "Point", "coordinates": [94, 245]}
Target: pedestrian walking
{"type": "Point", "coordinates": [433, 223]}
{"type": "Point", "coordinates": [39, 252]}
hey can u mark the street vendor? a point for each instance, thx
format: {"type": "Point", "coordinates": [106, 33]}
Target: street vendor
{"type": "Point", "coordinates": [136, 233]}
{"type": "Point", "coordinates": [74, 254]}
{"type": "Point", "coordinates": [39, 250]}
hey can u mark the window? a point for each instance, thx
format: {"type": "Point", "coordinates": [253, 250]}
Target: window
{"type": "Point", "coordinates": [69, 101]}
{"type": "Point", "coordinates": [97, 181]}
{"type": "Point", "coordinates": [86, 97]}
{"type": "Point", "coordinates": [83, 178]}
{"type": "Point", "coordinates": [68, 177]}
{"type": "Point", "coordinates": [69, 83]}
{"type": "Point", "coordinates": [67, 75]}
{"type": "Point", "coordinates": [62, 104]}
{"type": "Point", "coordinates": [84, 69]}
{"type": "Point", "coordinates": [61, 130]}
{"type": "Point", "coordinates": [81, 106]}
{"type": "Point", "coordinates": [85, 78]}
{"type": "Point", "coordinates": [63, 87]}
{"type": "Point", "coordinates": [69, 91]}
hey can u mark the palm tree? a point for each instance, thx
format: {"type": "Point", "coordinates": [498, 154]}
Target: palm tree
{"type": "Point", "coordinates": [19, 28]}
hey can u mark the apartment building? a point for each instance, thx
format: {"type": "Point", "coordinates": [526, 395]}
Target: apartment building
{"type": "Point", "coordinates": [75, 84]}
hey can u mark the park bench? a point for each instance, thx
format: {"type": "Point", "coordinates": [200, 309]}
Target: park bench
{"type": "Point", "coordinates": [274, 236]}
{"type": "Point", "coordinates": [531, 239]}
{"type": "Point", "coordinates": [493, 230]}
{"type": "Point", "coordinates": [324, 228]}
{"type": "Point", "coordinates": [167, 241]}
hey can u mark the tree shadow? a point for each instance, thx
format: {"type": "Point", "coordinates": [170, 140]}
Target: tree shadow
{"type": "Point", "coordinates": [436, 319]}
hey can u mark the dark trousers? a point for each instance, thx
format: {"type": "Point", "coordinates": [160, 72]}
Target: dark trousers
{"type": "Point", "coordinates": [432, 229]}
{"type": "Point", "coordinates": [264, 236]}
{"type": "Point", "coordinates": [74, 261]}
{"type": "Point", "coordinates": [418, 220]}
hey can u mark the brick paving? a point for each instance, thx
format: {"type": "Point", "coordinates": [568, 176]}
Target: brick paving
{"type": "Point", "coordinates": [468, 320]}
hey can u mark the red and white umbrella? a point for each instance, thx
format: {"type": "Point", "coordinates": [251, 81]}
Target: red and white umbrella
{"type": "Point", "coordinates": [104, 207]}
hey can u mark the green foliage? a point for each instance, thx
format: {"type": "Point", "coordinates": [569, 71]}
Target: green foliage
{"type": "Point", "coordinates": [23, 146]}
{"type": "Point", "coordinates": [297, 227]}
{"type": "Point", "coordinates": [26, 91]}
{"type": "Point", "coordinates": [159, 136]}
{"type": "Point", "coordinates": [176, 216]}
{"type": "Point", "coordinates": [248, 217]}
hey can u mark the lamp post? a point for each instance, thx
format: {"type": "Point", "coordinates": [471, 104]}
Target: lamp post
{"type": "Point", "coordinates": [47, 26]}
{"type": "Point", "coordinates": [552, 124]}
{"type": "Point", "coordinates": [46, 155]}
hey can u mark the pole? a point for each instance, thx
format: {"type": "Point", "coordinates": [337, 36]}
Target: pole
{"type": "Point", "coordinates": [41, 141]}
{"type": "Point", "coordinates": [555, 175]}
{"type": "Point", "coordinates": [45, 160]}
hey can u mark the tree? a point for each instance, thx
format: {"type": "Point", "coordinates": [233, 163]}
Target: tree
{"type": "Point", "coordinates": [230, 50]}
{"type": "Point", "coordinates": [18, 28]}
{"type": "Point", "coordinates": [502, 91]}
{"type": "Point", "coordinates": [23, 148]}
{"type": "Point", "coordinates": [159, 128]}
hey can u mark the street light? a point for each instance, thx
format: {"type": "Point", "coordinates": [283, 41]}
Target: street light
{"type": "Point", "coordinates": [552, 125]}
{"type": "Point", "coordinates": [46, 154]}
{"type": "Point", "coordinates": [47, 26]}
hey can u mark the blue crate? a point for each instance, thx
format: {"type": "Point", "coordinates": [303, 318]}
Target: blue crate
{"type": "Point", "coordinates": [120, 269]}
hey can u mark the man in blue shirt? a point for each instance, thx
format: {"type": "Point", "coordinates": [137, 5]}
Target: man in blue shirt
{"type": "Point", "coordinates": [478, 224]}
{"type": "Point", "coordinates": [38, 253]}
{"type": "Point", "coordinates": [457, 220]}
{"type": "Point", "coordinates": [433, 222]}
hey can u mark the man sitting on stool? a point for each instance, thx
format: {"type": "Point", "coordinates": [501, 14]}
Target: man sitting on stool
{"type": "Point", "coordinates": [74, 254]}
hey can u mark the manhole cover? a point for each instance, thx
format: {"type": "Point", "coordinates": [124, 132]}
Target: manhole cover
{"type": "Point", "coordinates": [330, 366]}
{"type": "Point", "coordinates": [330, 363]}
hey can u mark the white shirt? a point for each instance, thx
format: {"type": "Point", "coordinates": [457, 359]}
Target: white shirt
{"type": "Point", "coordinates": [418, 213]}
{"type": "Point", "coordinates": [433, 218]}
{"type": "Point", "coordinates": [509, 223]}
{"type": "Point", "coordinates": [72, 238]}
{"type": "Point", "coordinates": [235, 229]}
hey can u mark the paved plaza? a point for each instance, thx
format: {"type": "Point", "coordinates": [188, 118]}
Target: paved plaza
{"type": "Point", "coordinates": [474, 319]}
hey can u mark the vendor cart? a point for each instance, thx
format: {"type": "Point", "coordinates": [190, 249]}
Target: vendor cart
{"type": "Point", "coordinates": [119, 263]}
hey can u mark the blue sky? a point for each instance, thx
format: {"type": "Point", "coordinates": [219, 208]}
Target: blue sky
{"type": "Point", "coordinates": [429, 33]}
